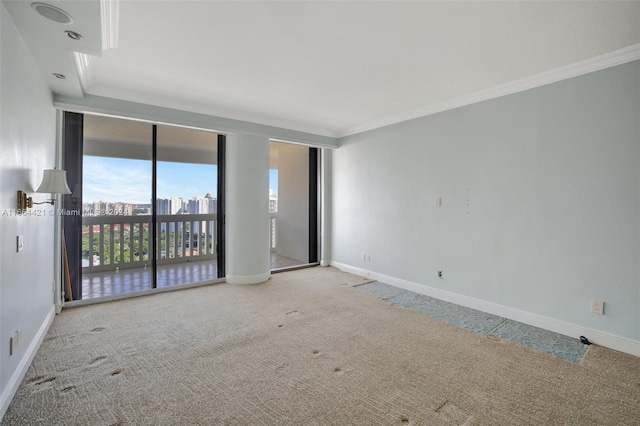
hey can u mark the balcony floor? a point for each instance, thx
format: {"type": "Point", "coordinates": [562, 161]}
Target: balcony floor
{"type": "Point", "coordinates": [108, 283]}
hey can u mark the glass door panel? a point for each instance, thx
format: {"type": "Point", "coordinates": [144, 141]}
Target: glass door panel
{"type": "Point", "coordinates": [186, 205]}
{"type": "Point", "coordinates": [117, 210]}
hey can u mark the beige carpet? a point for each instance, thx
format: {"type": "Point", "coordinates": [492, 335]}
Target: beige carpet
{"type": "Point", "coordinates": [304, 348]}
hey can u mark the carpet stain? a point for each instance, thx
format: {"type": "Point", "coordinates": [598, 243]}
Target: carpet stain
{"type": "Point", "coordinates": [49, 380]}
{"type": "Point", "coordinates": [43, 384]}
{"type": "Point", "coordinates": [280, 326]}
{"type": "Point", "coordinates": [98, 330]}
{"type": "Point", "coordinates": [404, 420]}
{"type": "Point", "coordinates": [493, 337]}
{"type": "Point", "coordinates": [315, 352]}
{"type": "Point", "coordinates": [453, 413]}
{"type": "Point", "coordinates": [68, 388]}
{"type": "Point", "coordinates": [97, 361]}
{"type": "Point", "coordinates": [116, 372]}
{"type": "Point", "coordinates": [35, 379]}
{"type": "Point", "coordinates": [293, 314]}
{"type": "Point", "coordinates": [338, 371]}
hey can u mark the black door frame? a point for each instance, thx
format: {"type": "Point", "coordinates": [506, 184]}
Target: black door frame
{"type": "Point", "coordinates": [72, 153]}
{"type": "Point", "coordinates": [222, 184]}
{"type": "Point", "coordinates": [314, 178]}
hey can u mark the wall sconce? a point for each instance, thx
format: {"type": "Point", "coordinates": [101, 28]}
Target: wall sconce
{"type": "Point", "coordinates": [54, 182]}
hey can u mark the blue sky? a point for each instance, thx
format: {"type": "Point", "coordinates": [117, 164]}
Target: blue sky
{"type": "Point", "coordinates": [129, 181]}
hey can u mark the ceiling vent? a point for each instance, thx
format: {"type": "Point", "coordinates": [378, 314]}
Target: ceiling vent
{"type": "Point", "coordinates": [52, 13]}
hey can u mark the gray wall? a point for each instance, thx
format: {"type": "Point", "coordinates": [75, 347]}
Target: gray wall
{"type": "Point", "coordinates": [27, 147]}
{"type": "Point", "coordinates": [540, 200]}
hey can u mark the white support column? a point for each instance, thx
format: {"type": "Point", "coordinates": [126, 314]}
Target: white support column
{"type": "Point", "coordinates": [247, 211]}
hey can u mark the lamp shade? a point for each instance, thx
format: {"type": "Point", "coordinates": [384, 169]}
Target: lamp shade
{"type": "Point", "coordinates": [54, 181]}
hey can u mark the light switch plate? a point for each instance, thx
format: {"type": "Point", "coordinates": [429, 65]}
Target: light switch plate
{"type": "Point", "coordinates": [14, 341]}
{"type": "Point", "coordinates": [19, 244]}
{"type": "Point", "coordinates": [597, 307]}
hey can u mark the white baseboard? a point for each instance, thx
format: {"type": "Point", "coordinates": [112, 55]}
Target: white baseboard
{"type": "Point", "coordinates": [15, 380]}
{"type": "Point", "coordinates": [248, 279]}
{"type": "Point", "coordinates": [601, 338]}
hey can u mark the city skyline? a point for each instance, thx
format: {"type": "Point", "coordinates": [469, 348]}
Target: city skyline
{"type": "Point", "coordinates": [120, 180]}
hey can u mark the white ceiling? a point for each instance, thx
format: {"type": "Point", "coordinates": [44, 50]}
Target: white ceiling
{"type": "Point", "coordinates": [334, 68]}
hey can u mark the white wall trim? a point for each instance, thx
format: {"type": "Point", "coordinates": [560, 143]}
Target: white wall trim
{"type": "Point", "coordinates": [127, 95]}
{"type": "Point", "coordinates": [155, 113]}
{"type": "Point", "coordinates": [597, 63]}
{"type": "Point", "coordinates": [248, 279]}
{"type": "Point", "coordinates": [14, 382]}
{"type": "Point", "coordinates": [601, 338]}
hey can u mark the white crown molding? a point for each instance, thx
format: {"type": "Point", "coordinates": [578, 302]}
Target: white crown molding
{"type": "Point", "coordinates": [110, 19]}
{"type": "Point", "coordinates": [607, 60]}
{"type": "Point", "coordinates": [127, 95]}
{"type": "Point", "coordinates": [601, 338]}
{"type": "Point", "coordinates": [83, 68]}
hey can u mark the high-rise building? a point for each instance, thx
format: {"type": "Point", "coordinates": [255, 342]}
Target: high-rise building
{"type": "Point", "coordinates": [169, 206]}
{"type": "Point", "coordinates": [199, 205]}
{"type": "Point", "coordinates": [101, 208]}
{"type": "Point", "coordinates": [121, 209]}
{"type": "Point", "coordinates": [163, 206]}
{"type": "Point", "coordinates": [175, 205]}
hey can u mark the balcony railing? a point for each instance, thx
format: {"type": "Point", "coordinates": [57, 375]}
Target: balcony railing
{"type": "Point", "coordinates": [122, 242]}
{"type": "Point", "coordinates": [273, 231]}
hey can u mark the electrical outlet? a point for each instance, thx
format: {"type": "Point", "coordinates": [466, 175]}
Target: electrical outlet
{"type": "Point", "coordinates": [597, 307]}
{"type": "Point", "coordinates": [368, 257]}
{"type": "Point", "coordinates": [19, 243]}
{"type": "Point", "coordinates": [439, 274]}
{"type": "Point", "coordinates": [363, 256]}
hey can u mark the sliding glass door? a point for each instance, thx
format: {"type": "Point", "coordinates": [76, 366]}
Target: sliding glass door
{"type": "Point", "coordinates": [149, 197]}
